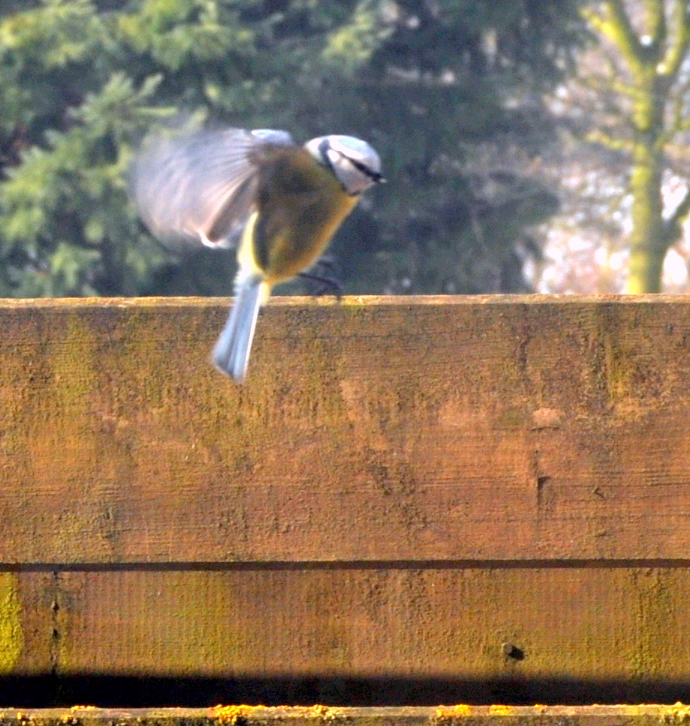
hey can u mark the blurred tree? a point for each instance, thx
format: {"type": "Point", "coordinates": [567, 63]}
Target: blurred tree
{"type": "Point", "coordinates": [430, 83]}
{"type": "Point", "coordinates": [634, 103]}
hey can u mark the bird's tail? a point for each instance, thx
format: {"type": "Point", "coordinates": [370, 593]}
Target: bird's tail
{"type": "Point", "coordinates": [231, 352]}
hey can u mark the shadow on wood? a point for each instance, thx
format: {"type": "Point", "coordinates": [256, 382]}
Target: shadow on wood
{"type": "Point", "coordinates": [146, 692]}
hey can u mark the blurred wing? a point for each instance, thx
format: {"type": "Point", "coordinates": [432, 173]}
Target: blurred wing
{"type": "Point", "coordinates": [201, 186]}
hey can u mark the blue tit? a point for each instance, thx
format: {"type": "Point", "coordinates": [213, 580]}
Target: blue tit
{"type": "Point", "coordinates": [282, 201]}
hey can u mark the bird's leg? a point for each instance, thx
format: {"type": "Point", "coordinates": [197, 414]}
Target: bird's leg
{"type": "Point", "coordinates": [326, 283]}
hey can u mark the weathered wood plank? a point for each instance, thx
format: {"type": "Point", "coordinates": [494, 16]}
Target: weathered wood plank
{"type": "Point", "coordinates": [596, 625]}
{"type": "Point", "coordinates": [27, 622]}
{"type": "Point", "coordinates": [442, 429]}
{"type": "Point", "coordinates": [646, 715]}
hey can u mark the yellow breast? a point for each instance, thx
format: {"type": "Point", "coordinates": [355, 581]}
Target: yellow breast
{"type": "Point", "coordinates": [300, 205]}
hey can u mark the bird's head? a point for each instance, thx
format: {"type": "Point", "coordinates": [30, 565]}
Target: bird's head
{"type": "Point", "coordinates": [352, 161]}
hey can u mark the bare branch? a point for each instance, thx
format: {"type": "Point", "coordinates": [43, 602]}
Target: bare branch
{"type": "Point", "coordinates": [656, 24]}
{"type": "Point", "coordinates": [616, 26]}
{"type": "Point", "coordinates": [606, 84]}
{"type": "Point", "coordinates": [673, 225]}
{"type": "Point", "coordinates": [615, 143]}
{"type": "Point", "coordinates": [677, 49]}
{"type": "Point", "coordinates": [677, 121]}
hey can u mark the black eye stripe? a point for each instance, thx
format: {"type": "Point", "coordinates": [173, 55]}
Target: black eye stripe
{"type": "Point", "coordinates": [325, 147]}
{"type": "Point", "coordinates": [373, 175]}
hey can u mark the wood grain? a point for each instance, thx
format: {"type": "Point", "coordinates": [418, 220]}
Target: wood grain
{"type": "Point", "coordinates": [626, 624]}
{"type": "Point", "coordinates": [379, 430]}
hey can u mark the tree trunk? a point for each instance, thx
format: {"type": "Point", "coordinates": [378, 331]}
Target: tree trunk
{"type": "Point", "coordinates": [648, 241]}
{"type": "Point", "coordinates": [653, 50]}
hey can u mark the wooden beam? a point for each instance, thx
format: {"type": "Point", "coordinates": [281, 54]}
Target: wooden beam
{"type": "Point", "coordinates": [320, 715]}
{"type": "Point", "coordinates": [402, 430]}
{"type": "Point", "coordinates": [626, 625]}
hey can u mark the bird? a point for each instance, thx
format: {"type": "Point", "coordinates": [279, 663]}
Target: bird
{"type": "Point", "coordinates": [277, 202]}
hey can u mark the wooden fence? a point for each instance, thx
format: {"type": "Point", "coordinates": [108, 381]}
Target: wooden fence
{"type": "Point", "coordinates": [411, 501]}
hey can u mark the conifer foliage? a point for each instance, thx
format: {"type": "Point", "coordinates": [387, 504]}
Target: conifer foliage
{"type": "Point", "coordinates": [427, 82]}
